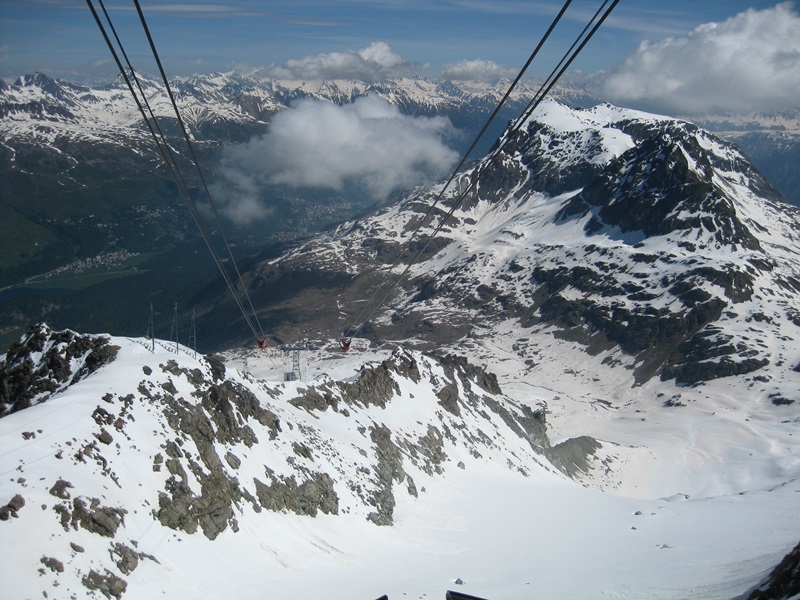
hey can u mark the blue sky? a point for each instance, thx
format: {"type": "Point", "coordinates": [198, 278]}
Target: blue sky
{"type": "Point", "coordinates": [60, 36]}
{"type": "Point", "coordinates": [650, 49]}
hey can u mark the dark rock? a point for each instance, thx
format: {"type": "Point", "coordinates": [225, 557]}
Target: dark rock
{"type": "Point", "coordinates": [128, 559]}
{"type": "Point", "coordinates": [95, 518]}
{"type": "Point", "coordinates": [12, 508]}
{"type": "Point", "coordinates": [55, 565]}
{"type": "Point", "coordinates": [427, 453]}
{"type": "Point", "coordinates": [16, 503]}
{"type": "Point", "coordinates": [59, 489]}
{"type": "Point", "coordinates": [469, 372]}
{"type": "Point", "coordinates": [315, 399]}
{"type": "Point", "coordinates": [77, 547]}
{"type": "Point", "coordinates": [233, 461]}
{"type": "Point", "coordinates": [783, 582]}
{"type": "Point", "coordinates": [572, 456]}
{"type": "Point", "coordinates": [780, 400]}
{"type": "Point", "coordinates": [105, 437]}
{"type": "Point", "coordinates": [220, 400]}
{"type": "Point", "coordinates": [302, 450]}
{"type": "Point", "coordinates": [374, 386]}
{"type": "Point", "coordinates": [448, 399]}
{"type": "Point", "coordinates": [411, 487]}
{"type": "Point", "coordinates": [221, 417]}
{"type": "Point", "coordinates": [530, 425]}
{"type": "Point", "coordinates": [217, 365]}
{"type": "Point", "coordinates": [106, 583]}
{"type": "Point", "coordinates": [388, 468]}
{"type": "Point", "coordinates": [316, 493]}
{"type": "Point", "coordinates": [180, 508]}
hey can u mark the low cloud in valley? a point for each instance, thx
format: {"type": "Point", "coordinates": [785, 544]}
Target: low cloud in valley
{"type": "Point", "coordinates": [368, 144]}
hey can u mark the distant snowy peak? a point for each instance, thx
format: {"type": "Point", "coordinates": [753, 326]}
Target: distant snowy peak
{"type": "Point", "coordinates": [220, 107]}
{"type": "Point", "coordinates": [39, 109]}
{"type": "Point", "coordinates": [778, 123]}
{"type": "Point", "coordinates": [562, 118]}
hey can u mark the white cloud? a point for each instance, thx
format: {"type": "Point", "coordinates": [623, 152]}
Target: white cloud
{"type": "Point", "coordinates": [374, 63]}
{"type": "Point", "coordinates": [749, 62]}
{"type": "Point", "coordinates": [368, 143]}
{"type": "Point", "coordinates": [476, 70]}
{"type": "Point", "coordinates": [243, 209]}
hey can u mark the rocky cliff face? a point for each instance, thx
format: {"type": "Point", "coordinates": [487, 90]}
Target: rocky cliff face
{"type": "Point", "coordinates": [783, 581]}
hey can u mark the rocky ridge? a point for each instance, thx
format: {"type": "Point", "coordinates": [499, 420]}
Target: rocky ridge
{"type": "Point", "coordinates": [190, 445]}
{"type": "Point", "coordinates": [45, 363]}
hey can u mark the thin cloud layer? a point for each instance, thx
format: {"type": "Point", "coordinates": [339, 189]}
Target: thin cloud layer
{"type": "Point", "coordinates": [749, 62]}
{"type": "Point", "coordinates": [368, 143]}
{"type": "Point", "coordinates": [373, 63]}
{"type": "Point", "coordinates": [475, 70]}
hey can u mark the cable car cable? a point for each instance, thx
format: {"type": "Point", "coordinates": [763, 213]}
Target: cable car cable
{"type": "Point", "coordinates": [475, 179]}
{"type": "Point", "coordinates": [460, 165]}
{"type": "Point", "coordinates": [169, 160]}
{"type": "Point", "coordinates": [197, 164]}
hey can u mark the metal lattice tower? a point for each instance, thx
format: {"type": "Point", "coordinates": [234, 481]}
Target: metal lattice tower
{"type": "Point", "coordinates": [295, 374]}
{"type": "Point", "coordinates": [193, 335]}
{"type": "Point", "coordinates": [296, 364]}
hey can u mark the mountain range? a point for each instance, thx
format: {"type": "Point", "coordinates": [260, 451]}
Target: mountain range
{"type": "Point", "coordinates": [581, 382]}
{"type": "Point", "coordinates": [69, 140]}
{"type": "Point", "coordinates": [83, 184]}
{"type": "Point", "coordinates": [82, 180]}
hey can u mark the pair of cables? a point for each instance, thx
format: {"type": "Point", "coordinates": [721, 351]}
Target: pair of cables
{"type": "Point", "coordinates": [240, 296]}
{"type": "Point", "coordinates": [569, 56]}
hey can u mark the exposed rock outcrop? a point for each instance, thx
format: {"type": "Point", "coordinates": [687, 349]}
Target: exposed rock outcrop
{"type": "Point", "coordinates": [783, 582]}
{"type": "Point", "coordinates": [62, 359]}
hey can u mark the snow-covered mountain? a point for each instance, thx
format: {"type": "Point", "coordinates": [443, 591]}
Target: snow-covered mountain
{"type": "Point", "coordinates": [233, 107]}
{"type": "Point", "coordinates": [128, 456]}
{"type": "Point", "coordinates": [51, 113]}
{"type": "Point", "coordinates": [640, 239]}
{"type": "Point", "coordinates": [135, 468]}
{"type": "Point", "coordinates": [88, 147]}
{"type": "Point", "coordinates": [624, 288]}
{"type": "Point", "coordinates": [633, 272]}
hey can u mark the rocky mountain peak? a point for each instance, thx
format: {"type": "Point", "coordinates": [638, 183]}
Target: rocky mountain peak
{"type": "Point", "coordinates": [620, 231]}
